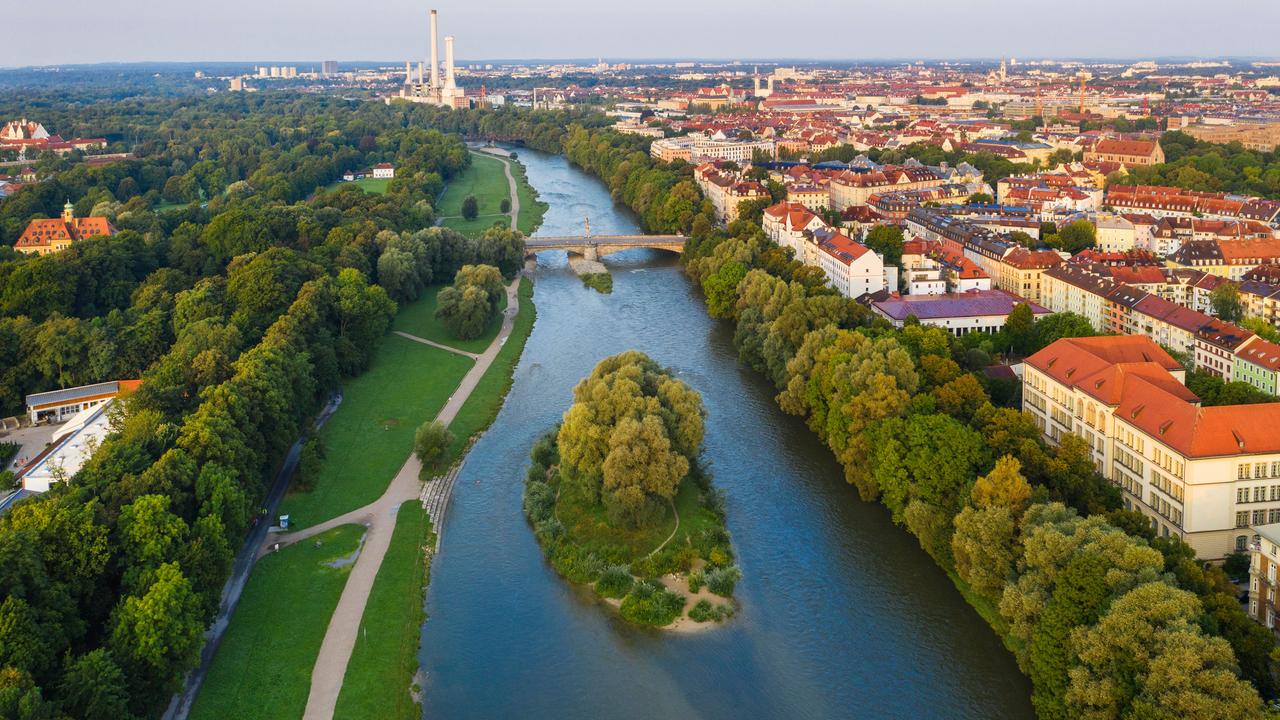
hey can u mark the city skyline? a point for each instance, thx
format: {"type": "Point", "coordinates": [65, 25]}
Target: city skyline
{"type": "Point", "coordinates": [295, 31]}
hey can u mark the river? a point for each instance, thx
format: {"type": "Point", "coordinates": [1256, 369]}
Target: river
{"type": "Point", "coordinates": [842, 615]}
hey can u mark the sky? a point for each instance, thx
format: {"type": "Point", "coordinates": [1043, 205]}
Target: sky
{"type": "Point", "coordinates": [308, 31]}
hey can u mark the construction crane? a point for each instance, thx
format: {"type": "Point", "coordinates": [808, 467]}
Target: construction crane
{"type": "Point", "coordinates": [1084, 76]}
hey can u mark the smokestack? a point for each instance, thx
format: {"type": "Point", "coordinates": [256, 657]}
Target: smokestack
{"type": "Point", "coordinates": [408, 74]}
{"type": "Point", "coordinates": [420, 71]}
{"type": "Point", "coordinates": [435, 54]}
{"type": "Point", "coordinates": [448, 62]}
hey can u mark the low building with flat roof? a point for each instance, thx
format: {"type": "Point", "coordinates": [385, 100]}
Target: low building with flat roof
{"type": "Point", "coordinates": [56, 406]}
{"type": "Point", "coordinates": [77, 441]}
{"type": "Point", "coordinates": [957, 313]}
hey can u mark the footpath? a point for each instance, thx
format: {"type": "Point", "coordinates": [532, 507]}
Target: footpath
{"type": "Point", "coordinates": [379, 517]}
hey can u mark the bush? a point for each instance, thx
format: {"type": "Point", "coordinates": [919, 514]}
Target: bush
{"type": "Point", "coordinates": [310, 461]}
{"type": "Point", "coordinates": [544, 451]}
{"type": "Point", "coordinates": [614, 582]}
{"type": "Point", "coordinates": [649, 603]}
{"type": "Point", "coordinates": [705, 611]}
{"type": "Point", "coordinates": [600, 282]}
{"type": "Point", "coordinates": [1236, 565]}
{"type": "Point", "coordinates": [505, 205]}
{"type": "Point", "coordinates": [696, 581]}
{"type": "Point", "coordinates": [539, 501]}
{"type": "Point", "coordinates": [721, 581]}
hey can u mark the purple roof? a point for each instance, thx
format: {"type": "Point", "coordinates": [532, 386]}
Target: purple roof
{"type": "Point", "coordinates": [970, 304]}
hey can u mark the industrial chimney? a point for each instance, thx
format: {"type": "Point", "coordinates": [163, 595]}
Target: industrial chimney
{"type": "Point", "coordinates": [448, 63]}
{"type": "Point", "coordinates": [435, 54]}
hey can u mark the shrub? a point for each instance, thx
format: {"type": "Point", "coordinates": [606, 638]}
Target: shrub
{"type": "Point", "coordinates": [704, 611]}
{"type": "Point", "coordinates": [600, 282]}
{"type": "Point", "coordinates": [719, 556]}
{"type": "Point", "coordinates": [649, 603]}
{"type": "Point", "coordinates": [696, 581]}
{"type": "Point", "coordinates": [544, 451]}
{"type": "Point", "coordinates": [721, 581]}
{"type": "Point", "coordinates": [539, 501]}
{"type": "Point", "coordinates": [644, 567]}
{"type": "Point", "coordinates": [505, 205]}
{"type": "Point", "coordinates": [614, 582]}
{"type": "Point", "coordinates": [310, 461]}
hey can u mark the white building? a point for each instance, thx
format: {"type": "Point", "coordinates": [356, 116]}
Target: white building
{"type": "Point", "coordinates": [76, 442]}
{"type": "Point", "coordinates": [384, 171]}
{"type": "Point", "coordinates": [852, 268]}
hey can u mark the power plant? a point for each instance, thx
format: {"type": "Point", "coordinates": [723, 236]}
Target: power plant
{"type": "Point", "coordinates": [434, 90]}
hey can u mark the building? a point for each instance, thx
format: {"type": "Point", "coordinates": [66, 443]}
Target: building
{"type": "Point", "coordinates": [1257, 362]}
{"type": "Point", "coordinates": [1264, 558]}
{"type": "Point", "coordinates": [788, 223]}
{"type": "Point", "coordinates": [1129, 153]}
{"type": "Point", "coordinates": [383, 171]}
{"type": "Point", "coordinates": [726, 190]}
{"type": "Point", "coordinates": [697, 147]}
{"type": "Point", "coordinates": [851, 267]}
{"type": "Point", "coordinates": [1227, 258]}
{"type": "Point", "coordinates": [75, 443]}
{"type": "Point", "coordinates": [49, 236]}
{"type": "Point", "coordinates": [434, 90]}
{"type": "Point", "coordinates": [957, 313]}
{"type": "Point", "coordinates": [329, 68]}
{"type": "Point", "coordinates": [56, 406]}
{"type": "Point", "coordinates": [1203, 474]}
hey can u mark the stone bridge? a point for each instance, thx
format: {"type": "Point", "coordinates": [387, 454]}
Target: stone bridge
{"type": "Point", "coordinates": [593, 247]}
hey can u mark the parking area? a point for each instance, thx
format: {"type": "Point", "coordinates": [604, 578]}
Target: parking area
{"type": "Point", "coordinates": [33, 439]}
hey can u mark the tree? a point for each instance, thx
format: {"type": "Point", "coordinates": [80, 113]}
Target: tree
{"type": "Point", "coordinates": [887, 241]}
{"type": "Point", "coordinates": [632, 434]}
{"type": "Point", "coordinates": [157, 635]}
{"type": "Point", "coordinates": [1077, 600]}
{"type": "Point", "coordinates": [1020, 329]}
{"type": "Point", "coordinates": [1022, 238]}
{"type": "Point", "coordinates": [504, 206]}
{"type": "Point", "coordinates": [1060, 325]}
{"type": "Point", "coordinates": [470, 207]}
{"type": "Point", "coordinates": [1003, 487]}
{"type": "Point", "coordinates": [980, 198]}
{"type": "Point", "coordinates": [465, 312]}
{"type": "Point", "coordinates": [1076, 236]}
{"type": "Point", "coordinates": [983, 548]}
{"type": "Point", "coordinates": [1225, 300]}
{"type": "Point", "coordinates": [721, 288]}
{"type": "Point", "coordinates": [1147, 655]}
{"type": "Point", "coordinates": [431, 443]}
{"type": "Point", "coordinates": [94, 688]}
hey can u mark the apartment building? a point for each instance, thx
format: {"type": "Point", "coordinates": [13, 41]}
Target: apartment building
{"type": "Point", "coordinates": [1203, 474]}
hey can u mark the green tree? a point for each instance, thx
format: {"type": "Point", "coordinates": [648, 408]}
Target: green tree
{"type": "Point", "coordinates": [465, 312]}
{"type": "Point", "coordinates": [1076, 236]}
{"type": "Point", "coordinates": [721, 288]}
{"type": "Point", "coordinates": [887, 241]}
{"type": "Point", "coordinates": [980, 198]}
{"type": "Point", "coordinates": [94, 688]}
{"type": "Point", "coordinates": [431, 443]}
{"type": "Point", "coordinates": [983, 548]}
{"type": "Point", "coordinates": [1225, 300]}
{"type": "Point", "coordinates": [470, 207]}
{"type": "Point", "coordinates": [157, 635]}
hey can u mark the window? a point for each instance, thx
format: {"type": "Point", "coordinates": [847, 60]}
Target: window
{"type": "Point", "coordinates": [1242, 520]}
{"type": "Point", "coordinates": [1242, 472]}
{"type": "Point", "coordinates": [1259, 494]}
{"type": "Point", "coordinates": [1242, 495]}
{"type": "Point", "coordinates": [1259, 517]}
{"type": "Point", "coordinates": [1241, 541]}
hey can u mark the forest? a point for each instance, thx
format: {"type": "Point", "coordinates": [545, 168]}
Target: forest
{"type": "Point", "coordinates": [241, 292]}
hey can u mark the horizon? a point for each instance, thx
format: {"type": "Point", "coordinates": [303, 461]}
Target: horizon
{"type": "Point", "coordinates": [140, 31]}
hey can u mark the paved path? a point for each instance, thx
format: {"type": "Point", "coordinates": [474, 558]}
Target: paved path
{"type": "Point", "coordinates": [180, 705]}
{"type": "Point", "coordinates": [380, 519]}
{"type": "Point", "coordinates": [425, 341]}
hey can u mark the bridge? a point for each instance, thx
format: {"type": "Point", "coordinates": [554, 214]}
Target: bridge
{"type": "Point", "coordinates": [594, 247]}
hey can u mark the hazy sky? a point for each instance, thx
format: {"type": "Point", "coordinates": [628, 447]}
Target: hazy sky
{"type": "Point", "coordinates": [307, 31]}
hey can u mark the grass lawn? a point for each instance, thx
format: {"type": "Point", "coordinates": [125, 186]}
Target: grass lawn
{"type": "Point", "coordinates": [486, 400]}
{"type": "Point", "coordinates": [587, 525]}
{"type": "Point", "coordinates": [418, 318]}
{"type": "Point", "coordinates": [263, 667]}
{"type": "Point", "coordinates": [385, 657]}
{"type": "Point", "coordinates": [377, 186]}
{"type": "Point", "coordinates": [370, 436]}
{"type": "Point", "coordinates": [531, 209]}
{"type": "Point", "coordinates": [485, 179]}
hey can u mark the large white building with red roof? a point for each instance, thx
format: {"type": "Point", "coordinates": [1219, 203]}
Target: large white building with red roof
{"type": "Point", "coordinates": [1203, 474]}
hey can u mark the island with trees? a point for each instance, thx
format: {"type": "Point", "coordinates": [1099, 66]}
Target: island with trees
{"type": "Point", "coordinates": [618, 500]}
